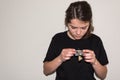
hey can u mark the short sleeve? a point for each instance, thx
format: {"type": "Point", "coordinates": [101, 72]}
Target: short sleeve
{"type": "Point", "coordinates": [102, 56]}
{"type": "Point", "coordinates": [52, 49]}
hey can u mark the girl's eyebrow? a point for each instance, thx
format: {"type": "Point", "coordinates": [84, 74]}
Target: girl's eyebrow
{"type": "Point", "coordinates": [81, 27]}
{"type": "Point", "coordinates": [84, 26]}
{"type": "Point", "coordinates": [72, 25]}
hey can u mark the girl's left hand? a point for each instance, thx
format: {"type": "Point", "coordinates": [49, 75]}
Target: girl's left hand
{"type": "Point", "coordinates": [89, 56]}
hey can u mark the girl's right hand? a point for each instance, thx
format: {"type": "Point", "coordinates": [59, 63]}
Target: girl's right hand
{"type": "Point", "coordinates": [67, 53]}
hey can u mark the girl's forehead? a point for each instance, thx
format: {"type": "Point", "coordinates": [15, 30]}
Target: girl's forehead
{"type": "Point", "coordinates": [77, 22]}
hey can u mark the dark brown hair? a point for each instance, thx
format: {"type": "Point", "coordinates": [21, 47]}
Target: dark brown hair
{"type": "Point", "coordinates": [80, 10]}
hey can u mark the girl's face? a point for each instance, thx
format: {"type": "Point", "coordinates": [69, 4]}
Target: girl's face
{"type": "Point", "coordinates": [77, 29]}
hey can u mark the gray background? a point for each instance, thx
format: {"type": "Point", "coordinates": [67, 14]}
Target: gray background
{"type": "Point", "coordinates": [27, 26]}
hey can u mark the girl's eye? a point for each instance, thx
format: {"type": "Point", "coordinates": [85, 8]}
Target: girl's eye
{"type": "Point", "coordinates": [83, 28]}
{"type": "Point", "coordinates": [73, 27]}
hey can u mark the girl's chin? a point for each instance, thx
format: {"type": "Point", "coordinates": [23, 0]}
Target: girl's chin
{"type": "Point", "coordinates": [77, 38]}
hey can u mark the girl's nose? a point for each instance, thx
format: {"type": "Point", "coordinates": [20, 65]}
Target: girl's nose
{"type": "Point", "coordinates": [78, 31]}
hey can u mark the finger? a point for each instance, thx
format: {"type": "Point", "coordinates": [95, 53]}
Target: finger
{"type": "Point", "coordinates": [88, 60]}
{"type": "Point", "coordinates": [69, 54]}
{"type": "Point", "coordinates": [87, 51]}
{"type": "Point", "coordinates": [67, 58]}
{"type": "Point", "coordinates": [73, 50]}
{"type": "Point", "coordinates": [87, 55]}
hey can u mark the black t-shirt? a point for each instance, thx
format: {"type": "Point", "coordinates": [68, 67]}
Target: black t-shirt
{"type": "Point", "coordinates": [73, 69]}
